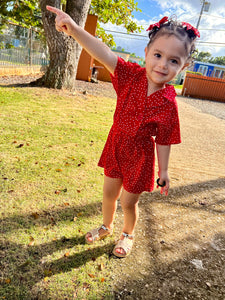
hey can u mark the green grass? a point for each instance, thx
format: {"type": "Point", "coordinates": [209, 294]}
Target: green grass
{"type": "Point", "coordinates": [50, 194]}
{"type": "Point", "coordinates": [177, 86]}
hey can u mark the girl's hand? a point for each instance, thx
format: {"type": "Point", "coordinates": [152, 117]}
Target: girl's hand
{"type": "Point", "coordinates": [164, 177]}
{"type": "Point", "coordinates": [63, 22]}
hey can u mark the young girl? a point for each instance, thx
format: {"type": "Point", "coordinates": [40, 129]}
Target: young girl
{"type": "Point", "coordinates": [146, 107]}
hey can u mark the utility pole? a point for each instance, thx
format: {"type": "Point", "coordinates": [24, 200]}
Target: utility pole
{"type": "Point", "coordinates": [205, 7]}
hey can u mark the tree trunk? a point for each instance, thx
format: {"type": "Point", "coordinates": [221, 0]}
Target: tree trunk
{"type": "Point", "coordinates": [64, 50]}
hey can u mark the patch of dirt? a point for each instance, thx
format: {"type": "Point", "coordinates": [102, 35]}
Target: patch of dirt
{"type": "Point", "coordinates": [98, 89]}
{"type": "Point", "coordinates": [179, 248]}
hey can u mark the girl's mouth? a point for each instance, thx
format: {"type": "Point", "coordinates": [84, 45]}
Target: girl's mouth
{"type": "Point", "coordinates": [160, 73]}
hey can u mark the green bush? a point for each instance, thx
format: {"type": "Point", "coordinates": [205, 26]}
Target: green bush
{"type": "Point", "coordinates": [196, 73]}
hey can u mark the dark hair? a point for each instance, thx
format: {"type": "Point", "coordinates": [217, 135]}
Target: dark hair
{"type": "Point", "coordinates": [172, 27]}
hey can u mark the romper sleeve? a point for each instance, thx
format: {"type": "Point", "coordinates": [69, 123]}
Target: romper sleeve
{"type": "Point", "coordinates": [123, 75]}
{"type": "Point", "coordinates": [169, 133]}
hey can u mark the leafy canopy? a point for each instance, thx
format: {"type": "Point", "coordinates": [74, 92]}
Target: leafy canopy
{"type": "Point", "coordinates": [207, 57]}
{"type": "Point", "coordinates": [22, 12]}
{"type": "Point", "coordinates": [28, 14]}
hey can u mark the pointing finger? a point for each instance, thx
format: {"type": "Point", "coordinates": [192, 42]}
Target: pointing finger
{"type": "Point", "coordinates": [54, 10]}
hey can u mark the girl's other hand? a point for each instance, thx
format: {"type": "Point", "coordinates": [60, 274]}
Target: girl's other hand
{"type": "Point", "coordinates": [164, 177]}
{"type": "Point", "coordinates": [63, 22]}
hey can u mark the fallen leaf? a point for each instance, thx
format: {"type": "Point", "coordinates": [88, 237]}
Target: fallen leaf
{"type": "Point", "coordinates": [31, 241]}
{"type": "Point", "coordinates": [58, 170]}
{"type": "Point", "coordinates": [101, 267]}
{"type": "Point", "coordinates": [20, 146]}
{"type": "Point", "coordinates": [78, 191]}
{"type": "Point", "coordinates": [91, 275]}
{"type": "Point", "coordinates": [35, 215]}
{"type": "Point", "coordinates": [66, 203]}
{"type": "Point", "coordinates": [102, 279]}
{"type": "Point", "coordinates": [7, 280]}
{"type": "Point", "coordinates": [86, 285]}
{"type": "Point", "coordinates": [66, 254]}
{"type": "Point", "coordinates": [57, 192]}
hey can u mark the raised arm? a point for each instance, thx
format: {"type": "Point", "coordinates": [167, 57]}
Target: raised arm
{"type": "Point", "coordinates": [96, 48]}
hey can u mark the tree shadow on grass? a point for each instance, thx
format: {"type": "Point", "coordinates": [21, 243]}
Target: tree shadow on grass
{"type": "Point", "coordinates": [48, 217]}
{"type": "Point", "coordinates": [24, 266]}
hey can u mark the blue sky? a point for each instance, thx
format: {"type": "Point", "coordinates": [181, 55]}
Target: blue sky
{"type": "Point", "coordinates": [188, 11]}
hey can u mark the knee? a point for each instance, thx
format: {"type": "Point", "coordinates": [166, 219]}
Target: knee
{"type": "Point", "coordinates": [111, 192]}
{"type": "Point", "coordinates": [129, 205]}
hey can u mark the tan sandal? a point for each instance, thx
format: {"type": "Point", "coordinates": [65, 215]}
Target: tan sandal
{"type": "Point", "coordinates": [126, 244]}
{"type": "Point", "coordinates": [95, 234]}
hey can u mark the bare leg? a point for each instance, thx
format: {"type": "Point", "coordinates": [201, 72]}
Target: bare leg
{"type": "Point", "coordinates": [111, 192]}
{"type": "Point", "coordinates": [129, 203]}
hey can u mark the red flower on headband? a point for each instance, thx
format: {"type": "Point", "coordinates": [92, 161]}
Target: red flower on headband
{"type": "Point", "coordinates": [190, 27]}
{"type": "Point", "coordinates": [158, 24]}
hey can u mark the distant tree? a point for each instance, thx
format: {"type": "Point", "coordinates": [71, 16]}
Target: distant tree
{"type": "Point", "coordinates": [220, 60]}
{"type": "Point", "coordinates": [26, 13]}
{"type": "Point", "coordinates": [203, 56]}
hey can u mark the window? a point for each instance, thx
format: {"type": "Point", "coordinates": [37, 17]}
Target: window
{"type": "Point", "coordinates": [203, 69]}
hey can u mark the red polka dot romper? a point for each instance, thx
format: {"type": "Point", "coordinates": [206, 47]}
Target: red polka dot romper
{"type": "Point", "coordinates": [129, 149]}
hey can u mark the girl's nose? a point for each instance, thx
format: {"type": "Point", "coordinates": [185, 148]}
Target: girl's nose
{"type": "Point", "coordinates": [163, 63]}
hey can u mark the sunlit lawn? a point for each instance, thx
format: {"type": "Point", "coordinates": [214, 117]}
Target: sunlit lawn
{"type": "Point", "coordinates": [50, 193]}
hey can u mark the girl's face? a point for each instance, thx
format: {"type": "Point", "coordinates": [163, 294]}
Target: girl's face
{"type": "Point", "coordinates": [164, 58]}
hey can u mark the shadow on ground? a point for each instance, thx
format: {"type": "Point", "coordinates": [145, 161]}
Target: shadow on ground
{"type": "Point", "coordinates": [179, 248]}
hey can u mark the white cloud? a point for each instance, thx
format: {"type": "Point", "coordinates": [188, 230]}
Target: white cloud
{"type": "Point", "coordinates": [187, 11]}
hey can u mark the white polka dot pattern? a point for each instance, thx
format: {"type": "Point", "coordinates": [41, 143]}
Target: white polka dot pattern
{"type": "Point", "coordinates": [129, 150]}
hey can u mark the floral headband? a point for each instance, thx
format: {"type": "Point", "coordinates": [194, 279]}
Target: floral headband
{"type": "Point", "coordinates": [185, 25]}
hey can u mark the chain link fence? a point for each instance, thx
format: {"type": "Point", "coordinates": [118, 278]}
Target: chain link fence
{"type": "Point", "coordinates": [20, 46]}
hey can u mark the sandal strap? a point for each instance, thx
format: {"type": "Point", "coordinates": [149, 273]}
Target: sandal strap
{"type": "Point", "coordinates": [103, 227]}
{"type": "Point", "coordinates": [95, 232]}
{"type": "Point", "coordinates": [126, 235]}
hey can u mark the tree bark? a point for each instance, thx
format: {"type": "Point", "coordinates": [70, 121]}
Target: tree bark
{"type": "Point", "coordinates": [64, 50]}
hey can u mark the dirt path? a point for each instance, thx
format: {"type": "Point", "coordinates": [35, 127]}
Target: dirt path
{"type": "Point", "coordinates": [179, 251]}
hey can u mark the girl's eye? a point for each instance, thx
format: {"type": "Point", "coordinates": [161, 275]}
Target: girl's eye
{"type": "Point", "coordinates": [174, 61]}
{"type": "Point", "coordinates": [157, 55]}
